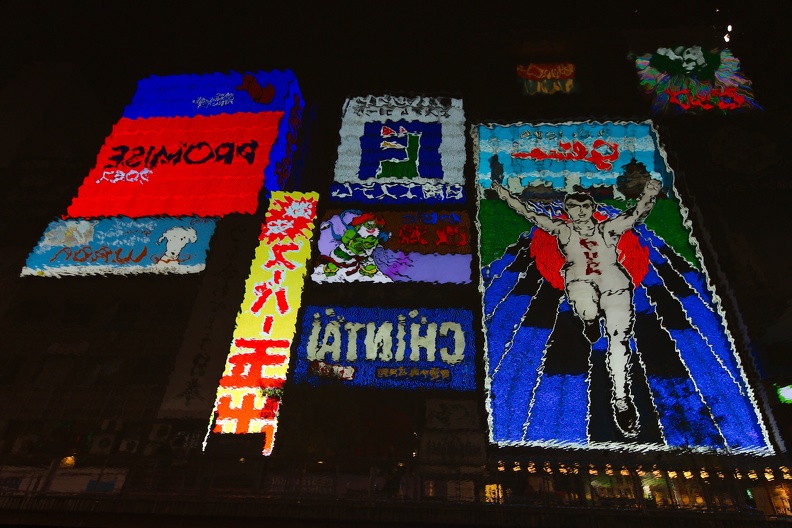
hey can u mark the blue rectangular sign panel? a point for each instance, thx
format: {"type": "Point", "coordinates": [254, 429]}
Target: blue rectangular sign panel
{"type": "Point", "coordinates": [431, 348]}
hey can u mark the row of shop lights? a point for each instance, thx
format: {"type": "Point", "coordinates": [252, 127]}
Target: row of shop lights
{"type": "Point", "coordinates": [782, 473]}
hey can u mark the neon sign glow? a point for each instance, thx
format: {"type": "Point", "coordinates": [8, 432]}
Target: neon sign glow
{"type": "Point", "coordinates": [394, 246]}
{"type": "Point", "coordinates": [692, 79]}
{"type": "Point", "coordinates": [401, 150]}
{"type": "Point", "coordinates": [250, 391]}
{"type": "Point", "coordinates": [602, 328]}
{"type": "Point", "coordinates": [387, 348]}
{"type": "Point", "coordinates": [547, 78]}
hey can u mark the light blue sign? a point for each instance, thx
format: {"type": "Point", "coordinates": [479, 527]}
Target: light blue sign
{"type": "Point", "coordinates": [121, 245]}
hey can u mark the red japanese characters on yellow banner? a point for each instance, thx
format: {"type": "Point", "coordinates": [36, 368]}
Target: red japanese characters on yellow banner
{"type": "Point", "coordinates": [250, 391]}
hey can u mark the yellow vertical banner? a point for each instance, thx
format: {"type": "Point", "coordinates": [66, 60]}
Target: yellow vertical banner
{"type": "Point", "coordinates": [250, 392]}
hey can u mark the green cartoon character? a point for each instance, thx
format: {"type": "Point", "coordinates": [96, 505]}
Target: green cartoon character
{"type": "Point", "coordinates": [361, 236]}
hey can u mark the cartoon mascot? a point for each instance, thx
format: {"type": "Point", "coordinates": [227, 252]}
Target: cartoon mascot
{"type": "Point", "coordinates": [361, 236]}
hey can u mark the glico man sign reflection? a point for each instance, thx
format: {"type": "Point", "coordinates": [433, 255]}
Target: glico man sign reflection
{"type": "Point", "coordinates": [602, 328]}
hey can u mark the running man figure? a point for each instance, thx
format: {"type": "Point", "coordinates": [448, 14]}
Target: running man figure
{"type": "Point", "coordinates": [596, 285]}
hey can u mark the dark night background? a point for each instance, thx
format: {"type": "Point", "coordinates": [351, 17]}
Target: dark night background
{"type": "Point", "coordinates": [69, 69]}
